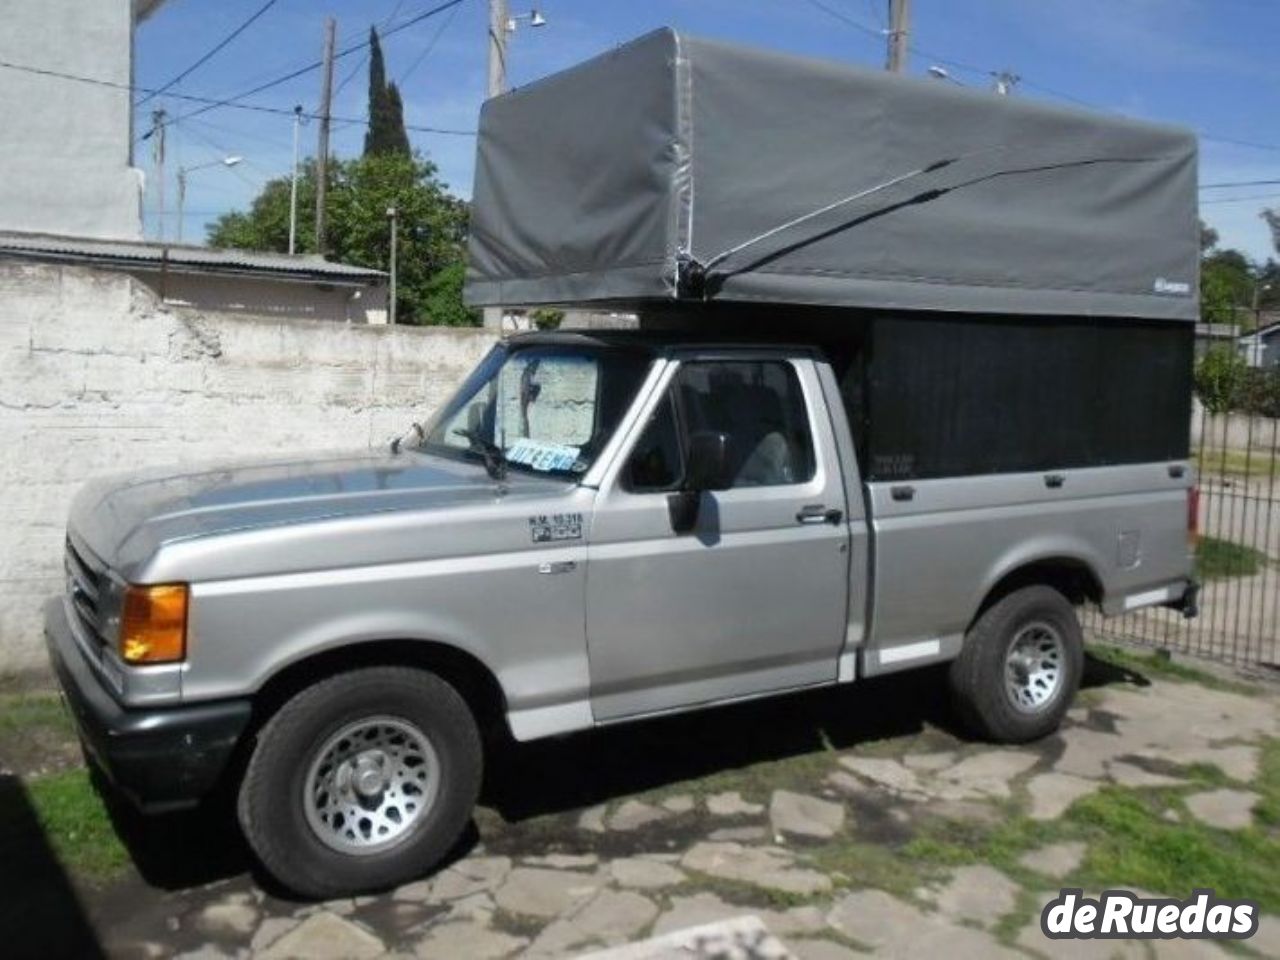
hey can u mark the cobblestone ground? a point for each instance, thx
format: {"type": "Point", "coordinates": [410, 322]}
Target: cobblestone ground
{"type": "Point", "coordinates": [848, 823]}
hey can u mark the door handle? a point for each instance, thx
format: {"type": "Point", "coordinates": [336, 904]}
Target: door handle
{"type": "Point", "coordinates": [557, 566]}
{"type": "Point", "coordinates": [1054, 481]}
{"type": "Point", "coordinates": [903, 492]}
{"type": "Point", "coordinates": [817, 513]}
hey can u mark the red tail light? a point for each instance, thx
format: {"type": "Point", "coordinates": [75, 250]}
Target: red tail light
{"type": "Point", "coordinates": [1193, 513]}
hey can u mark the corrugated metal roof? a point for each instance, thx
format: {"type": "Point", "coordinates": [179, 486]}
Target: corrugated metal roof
{"type": "Point", "coordinates": [188, 259]}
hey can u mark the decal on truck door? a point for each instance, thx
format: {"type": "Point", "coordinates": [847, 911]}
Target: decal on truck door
{"type": "Point", "coordinates": [548, 528]}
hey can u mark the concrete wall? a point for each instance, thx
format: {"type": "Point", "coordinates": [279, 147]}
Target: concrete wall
{"type": "Point", "coordinates": [65, 164]}
{"type": "Point", "coordinates": [96, 376]}
{"type": "Point", "coordinates": [1231, 431]}
{"type": "Point", "coordinates": [265, 297]}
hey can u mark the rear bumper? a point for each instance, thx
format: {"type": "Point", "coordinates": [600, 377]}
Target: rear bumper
{"type": "Point", "coordinates": [160, 758]}
{"type": "Point", "coordinates": [1189, 603]}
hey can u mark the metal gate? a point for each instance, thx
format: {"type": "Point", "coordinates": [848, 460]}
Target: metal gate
{"type": "Point", "coordinates": [1237, 457]}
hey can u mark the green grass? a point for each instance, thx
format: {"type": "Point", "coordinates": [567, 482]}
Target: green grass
{"type": "Point", "coordinates": [21, 712]}
{"type": "Point", "coordinates": [76, 824]}
{"type": "Point", "coordinates": [1267, 813]}
{"type": "Point", "coordinates": [855, 864]}
{"type": "Point", "coordinates": [1218, 559]}
{"type": "Point", "coordinates": [1131, 844]}
{"type": "Point", "coordinates": [1159, 665]}
{"type": "Point", "coordinates": [1259, 465]}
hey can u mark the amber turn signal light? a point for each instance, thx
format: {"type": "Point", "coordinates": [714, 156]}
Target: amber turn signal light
{"type": "Point", "coordinates": [153, 624]}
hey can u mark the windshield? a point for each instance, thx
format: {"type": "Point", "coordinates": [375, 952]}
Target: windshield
{"type": "Point", "coordinates": [547, 409]}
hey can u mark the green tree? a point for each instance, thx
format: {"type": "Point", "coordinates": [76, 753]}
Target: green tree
{"type": "Point", "coordinates": [1226, 284]}
{"type": "Point", "coordinates": [1221, 378]}
{"type": "Point", "coordinates": [1208, 237]}
{"type": "Point", "coordinates": [442, 301]}
{"type": "Point", "coordinates": [432, 226]}
{"type": "Point", "coordinates": [386, 134]}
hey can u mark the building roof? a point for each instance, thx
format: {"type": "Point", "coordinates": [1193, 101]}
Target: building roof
{"type": "Point", "coordinates": [180, 258]}
{"type": "Point", "coordinates": [1266, 331]}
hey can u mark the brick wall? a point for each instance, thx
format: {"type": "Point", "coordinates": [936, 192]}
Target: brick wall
{"type": "Point", "coordinates": [97, 377]}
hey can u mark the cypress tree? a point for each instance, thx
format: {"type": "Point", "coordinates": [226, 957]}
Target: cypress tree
{"type": "Point", "coordinates": [386, 134]}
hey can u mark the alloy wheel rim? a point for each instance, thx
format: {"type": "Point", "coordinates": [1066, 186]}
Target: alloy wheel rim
{"type": "Point", "coordinates": [1033, 667]}
{"type": "Point", "coordinates": [370, 784]}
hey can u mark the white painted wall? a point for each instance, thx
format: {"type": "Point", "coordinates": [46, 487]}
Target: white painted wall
{"type": "Point", "coordinates": [65, 166]}
{"type": "Point", "coordinates": [96, 376]}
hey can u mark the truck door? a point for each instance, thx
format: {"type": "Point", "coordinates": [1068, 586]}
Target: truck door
{"type": "Point", "coordinates": [754, 598]}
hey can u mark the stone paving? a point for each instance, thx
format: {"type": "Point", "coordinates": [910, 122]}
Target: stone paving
{"type": "Point", "coordinates": [805, 856]}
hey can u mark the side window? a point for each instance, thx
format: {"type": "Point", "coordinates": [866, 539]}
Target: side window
{"type": "Point", "coordinates": [758, 404]}
{"type": "Point", "coordinates": [656, 463]}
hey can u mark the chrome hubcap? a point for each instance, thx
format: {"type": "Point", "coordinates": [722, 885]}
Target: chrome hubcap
{"type": "Point", "coordinates": [370, 784]}
{"type": "Point", "coordinates": [1033, 666]}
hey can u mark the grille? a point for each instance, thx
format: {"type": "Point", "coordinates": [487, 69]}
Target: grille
{"type": "Point", "coordinates": [85, 587]}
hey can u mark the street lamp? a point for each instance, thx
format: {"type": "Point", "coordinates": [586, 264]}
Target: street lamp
{"type": "Point", "coordinates": [183, 172]}
{"type": "Point", "coordinates": [293, 187]}
{"type": "Point", "coordinates": [393, 216]}
{"type": "Point", "coordinates": [941, 73]}
{"type": "Point", "coordinates": [534, 16]}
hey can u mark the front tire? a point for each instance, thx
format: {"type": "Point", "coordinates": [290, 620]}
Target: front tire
{"type": "Point", "coordinates": [361, 782]}
{"type": "Point", "coordinates": [1020, 666]}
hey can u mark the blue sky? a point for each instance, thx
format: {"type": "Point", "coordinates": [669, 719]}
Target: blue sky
{"type": "Point", "coordinates": [1209, 64]}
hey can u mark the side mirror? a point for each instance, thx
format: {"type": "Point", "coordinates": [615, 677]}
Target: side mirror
{"type": "Point", "coordinates": [706, 468]}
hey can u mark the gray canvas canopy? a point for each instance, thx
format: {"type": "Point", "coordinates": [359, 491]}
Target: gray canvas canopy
{"type": "Point", "coordinates": [678, 168]}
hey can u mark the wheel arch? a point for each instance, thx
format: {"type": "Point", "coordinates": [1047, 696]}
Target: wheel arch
{"type": "Point", "coordinates": [465, 672]}
{"type": "Point", "coordinates": [1074, 576]}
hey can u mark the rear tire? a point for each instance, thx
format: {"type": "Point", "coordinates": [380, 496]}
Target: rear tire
{"type": "Point", "coordinates": [361, 782]}
{"type": "Point", "coordinates": [1020, 666]}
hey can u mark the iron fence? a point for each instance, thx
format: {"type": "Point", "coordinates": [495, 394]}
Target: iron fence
{"type": "Point", "coordinates": [1237, 457]}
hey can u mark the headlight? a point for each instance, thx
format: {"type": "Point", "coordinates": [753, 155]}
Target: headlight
{"type": "Point", "coordinates": [153, 623]}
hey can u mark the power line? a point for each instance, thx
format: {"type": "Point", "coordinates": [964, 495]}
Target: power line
{"type": "Point", "coordinates": [390, 18]}
{"type": "Point", "coordinates": [1239, 183]}
{"type": "Point", "coordinates": [1030, 84]}
{"type": "Point", "coordinates": [192, 98]}
{"type": "Point", "coordinates": [217, 48]}
{"type": "Point", "coordinates": [847, 20]}
{"type": "Point", "coordinates": [1251, 197]}
{"type": "Point", "coordinates": [309, 68]}
{"type": "Point", "coordinates": [431, 45]}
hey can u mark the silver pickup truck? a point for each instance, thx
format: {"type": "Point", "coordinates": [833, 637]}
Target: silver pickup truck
{"type": "Point", "coordinates": [913, 382]}
{"type": "Point", "coordinates": [597, 528]}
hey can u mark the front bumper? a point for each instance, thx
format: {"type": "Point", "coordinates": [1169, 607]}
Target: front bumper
{"type": "Point", "coordinates": [160, 758]}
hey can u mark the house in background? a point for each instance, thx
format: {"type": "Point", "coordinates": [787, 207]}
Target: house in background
{"type": "Point", "coordinates": [67, 164]}
{"type": "Point", "coordinates": [70, 194]}
{"type": "Point", "coordinates": [273, 285]}
{"type": "Point", "coordinates": [1262, 347]}
{"type": "Point", "coordinates": [1210, 336]}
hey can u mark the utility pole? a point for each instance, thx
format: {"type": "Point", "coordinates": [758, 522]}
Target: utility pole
{"type": "Point", "coordinates": [158, 127]}
{"type": "Point", "coordinates": [322, 153]}
{"type": "Point", "coordinates": [899, 27]}
{"type": "Point", "coordinates": [293, 189]}
{"type": "Point", "coordinates": [393, 215]}
{"type": "Point", "coordinates": [182, 199]}
{"type": "Point", "coordinates": [499, 17]}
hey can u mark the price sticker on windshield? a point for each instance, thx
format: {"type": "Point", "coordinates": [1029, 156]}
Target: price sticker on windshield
{"type": "Point", "coordinates": [543, 456]}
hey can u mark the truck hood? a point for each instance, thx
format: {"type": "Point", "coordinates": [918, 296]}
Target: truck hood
{"type": "Point", "coordinates": [124, 520]}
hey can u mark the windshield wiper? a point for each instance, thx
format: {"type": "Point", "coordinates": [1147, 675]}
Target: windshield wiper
{"type": "Point", "coordinates": [495, 458]}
